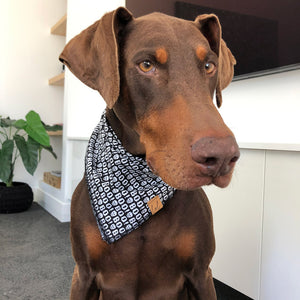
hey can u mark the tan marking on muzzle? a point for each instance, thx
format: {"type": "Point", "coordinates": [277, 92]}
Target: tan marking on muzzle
{"type": "Point", "coordinates": [168, 134]}
{"type": "Point", "coordinates": [158, 128]}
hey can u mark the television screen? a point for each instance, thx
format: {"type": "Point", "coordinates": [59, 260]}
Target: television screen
{"type": "Point", "coordinates": [263, 35]}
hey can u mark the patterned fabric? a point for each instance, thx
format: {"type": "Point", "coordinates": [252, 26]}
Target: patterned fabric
{"type": "Point", "coordinates": [124, 193]}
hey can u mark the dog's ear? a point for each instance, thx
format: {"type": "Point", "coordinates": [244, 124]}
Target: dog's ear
{"type": "Point", "coordinates": [210, 27]}
{"type": "Point", "coordinates": [92, 56]}
{"type": "Point", "coordinates": [226, 70]}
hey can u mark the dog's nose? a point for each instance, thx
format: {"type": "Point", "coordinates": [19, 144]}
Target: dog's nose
{"type": "Point", "coordinates": [216, 156]}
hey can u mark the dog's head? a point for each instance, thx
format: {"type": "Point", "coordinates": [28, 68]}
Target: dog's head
{"type": "Point", "coordinates": [159, 75]}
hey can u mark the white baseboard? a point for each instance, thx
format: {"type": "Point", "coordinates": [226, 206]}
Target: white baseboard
{"type": "Point", "coordinates": [51, 200]}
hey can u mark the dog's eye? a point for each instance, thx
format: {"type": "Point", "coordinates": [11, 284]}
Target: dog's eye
{"type": "Point", "coordinates": [146, 66]}
{"type": "Point", "coordinates": [209, 68]}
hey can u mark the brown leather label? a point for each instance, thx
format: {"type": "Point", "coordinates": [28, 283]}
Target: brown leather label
{"type": "Point", "coordinates": [155, 205]}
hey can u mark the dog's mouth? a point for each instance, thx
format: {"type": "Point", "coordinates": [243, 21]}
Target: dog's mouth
{"type": "Point", "coordinates": [195, 182]}
{"type": "Point", "coordinates": [190, 177]}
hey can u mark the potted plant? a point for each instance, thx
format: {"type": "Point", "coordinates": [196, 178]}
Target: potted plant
{"type": "Point", "coordinates": [25, 139]}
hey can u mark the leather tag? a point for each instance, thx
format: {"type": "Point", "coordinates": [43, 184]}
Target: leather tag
{"type": "Point", "coordinates": [155, 205]}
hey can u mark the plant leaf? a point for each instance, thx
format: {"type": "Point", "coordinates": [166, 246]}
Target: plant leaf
{"type": "Point", "coordinates": [28, 151]}
{"type": "Point", "coordinates": [36, 130]}
{"type": "Point", "coordinates": [50, 149]}
{"type": "Point", "coordinates": [6, 154]}
{"type": "Point", "coordinates": [55, 127]}
{"type": "Point", "coordinates": [6, 122]}
{"type": "Point", "coordinates": [20, 124]}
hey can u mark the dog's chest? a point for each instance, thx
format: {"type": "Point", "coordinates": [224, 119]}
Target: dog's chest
{"type": "Point", "coordinates": [168, 245]}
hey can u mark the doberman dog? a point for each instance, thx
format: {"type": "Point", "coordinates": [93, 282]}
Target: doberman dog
{"type": "Point", "coordinates": [158, 75]}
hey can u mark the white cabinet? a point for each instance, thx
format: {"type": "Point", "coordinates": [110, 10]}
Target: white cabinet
{"type": "Point", "coordinates": [257, 225]}
{"type": "Point", "coordinates": [280, 266]}
{"type": "Point", "coordinates": [237, 213]}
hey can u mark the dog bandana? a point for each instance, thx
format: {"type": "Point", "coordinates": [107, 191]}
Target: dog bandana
{"type": "Point", "coordinates": [124, 193]}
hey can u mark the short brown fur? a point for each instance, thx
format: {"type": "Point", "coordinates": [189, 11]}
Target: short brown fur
{"type": "Point", "coordinates": [168, 117]}
{"type": "Point", "coordinates": [186, 245]}
{"type": "Point", "coordinates": [95, 245]}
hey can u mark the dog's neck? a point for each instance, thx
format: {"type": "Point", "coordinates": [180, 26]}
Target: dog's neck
{"type": "Point", "coordinates": [128, 137]}
{"type": "Point", "coordinates": [124, 193]}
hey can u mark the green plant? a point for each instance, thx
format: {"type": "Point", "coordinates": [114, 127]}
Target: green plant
{"type": "Point", "coordinates": [25, 138]}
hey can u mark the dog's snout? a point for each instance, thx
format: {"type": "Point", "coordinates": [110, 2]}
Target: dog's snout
{"type": "Point", "coordinates": [216, 156]}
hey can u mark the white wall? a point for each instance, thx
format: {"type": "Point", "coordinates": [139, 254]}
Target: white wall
{"type": "Point", "coordinates": [265, 109]}
{"type": "Point", "coordinates": [28, 58]}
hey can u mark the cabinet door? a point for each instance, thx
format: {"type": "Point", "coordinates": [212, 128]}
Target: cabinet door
{"type": "Point", "coordinates": [281, 228]}
{"type": "Point", "coordinates": [237, 213]}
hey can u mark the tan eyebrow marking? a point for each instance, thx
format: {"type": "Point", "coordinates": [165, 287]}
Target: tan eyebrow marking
{"type": "Point", "coordinates": [201, 52]}
{"type": "Point", "coordinates": [161, 55]}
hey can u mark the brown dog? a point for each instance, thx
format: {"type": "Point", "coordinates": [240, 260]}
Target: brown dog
{"type": "Point", "coordinates": [158, 75]}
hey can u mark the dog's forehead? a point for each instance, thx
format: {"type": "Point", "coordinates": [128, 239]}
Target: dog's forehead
{"type": "Point", "coordinates": [158, 28]}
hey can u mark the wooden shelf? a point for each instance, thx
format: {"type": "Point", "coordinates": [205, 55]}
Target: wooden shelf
{"type": "Point", "coordinates": [57, 80]}
{"type": "Point", "coordinates": [55, 133]}
{"type": "Point", "coordinates": [60, 27]}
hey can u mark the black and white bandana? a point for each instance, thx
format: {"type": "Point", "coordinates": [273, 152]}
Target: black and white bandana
{"type": "Point", "coordinates": [124, 193]}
